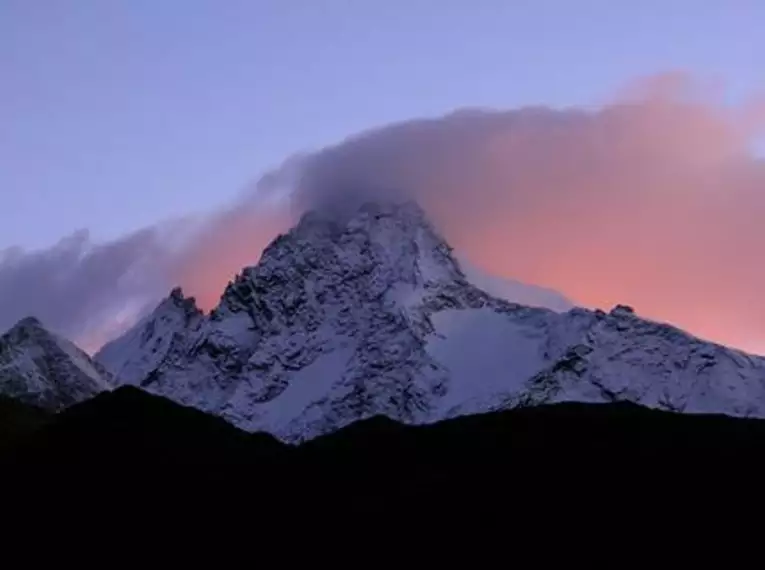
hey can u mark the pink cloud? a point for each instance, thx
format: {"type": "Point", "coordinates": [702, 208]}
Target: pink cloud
{"type": "Point", "coordinates": [654, 200]}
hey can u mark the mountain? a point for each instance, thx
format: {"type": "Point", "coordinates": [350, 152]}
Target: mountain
{"type": "Point", "coordinates": [328, 328]}
{"type": "Point", "coordinates": [45, 370]}
{"type": "Point", "coordinates": [145, 448]}
{"type": "Point", "coordinates": [366, 312]}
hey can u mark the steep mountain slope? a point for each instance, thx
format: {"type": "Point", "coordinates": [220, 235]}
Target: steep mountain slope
{"type": "Point", "coordinates": [154, 339]}
{"type": "Point", "coordinates": [368, 313]}
{"type": "Point", "coordinates": [42, 369]}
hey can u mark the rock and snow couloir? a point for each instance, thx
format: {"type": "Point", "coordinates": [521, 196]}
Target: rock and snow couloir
{"type": "Point", "coordinates": [45, 370]}
{"type": "Point", "coordinates": [367, 312]}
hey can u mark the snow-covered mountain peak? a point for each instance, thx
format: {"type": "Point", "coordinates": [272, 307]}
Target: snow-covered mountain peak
{"type": "Point", "coordinates": [133, 356]}
{"type": "Point", "coordinates": [345, 296]}
{"type": "Point", "coordinates": [28, 331]}
{"type": "Point", "coordinates": [25, 327]}
{"type": "Point", "coordinates": [32, 322]}
{"type": "Point", "coordinates": [46, 370]}
{"type": "Point", "coordinates": [374, 250]}
{"type": "Point", "coordinates": [380, 222]}
{"type": "Point", "coordinates": [362, 310]}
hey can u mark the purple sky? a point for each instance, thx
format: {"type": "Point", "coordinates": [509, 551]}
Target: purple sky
{"type": "Point", "coordinates": [116, 114]}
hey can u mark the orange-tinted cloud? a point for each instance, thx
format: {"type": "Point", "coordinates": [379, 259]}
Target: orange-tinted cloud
{"type": "Point", "coordinates": [222, 246]}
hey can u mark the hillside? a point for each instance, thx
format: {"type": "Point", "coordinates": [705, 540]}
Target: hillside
{"type": "Point", "coordinates": [18, 420]}
{"type": "Point", "coordinates": [148, 446]}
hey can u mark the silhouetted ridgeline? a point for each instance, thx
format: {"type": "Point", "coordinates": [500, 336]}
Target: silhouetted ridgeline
{"type": "Point", "coordinates": [17, 420]}
{"type": "Point", "coordinates": [133, 447]}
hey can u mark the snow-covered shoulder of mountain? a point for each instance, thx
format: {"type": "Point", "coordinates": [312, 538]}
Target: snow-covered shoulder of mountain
{"type": "Point", "coordinates": [516, 291]}
{"type": "Point", "coordinates": [41, 368]}
{"type": "Point", "coordinates": [368, 312]}
{"type": "Point", "coordinates": [626, 357]}
{"type": "Point", "coordinates": [619, 356]}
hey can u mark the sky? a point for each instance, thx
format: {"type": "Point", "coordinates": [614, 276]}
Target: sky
{"type": "Point", "coordinates": [116, 116]}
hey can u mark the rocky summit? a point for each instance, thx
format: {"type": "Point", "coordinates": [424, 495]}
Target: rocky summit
{"type": "Point", "coordinates": [367, 312]}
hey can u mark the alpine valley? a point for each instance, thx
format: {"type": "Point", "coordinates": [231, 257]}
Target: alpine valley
{"type": "Point", "coordinates": [366, 312]}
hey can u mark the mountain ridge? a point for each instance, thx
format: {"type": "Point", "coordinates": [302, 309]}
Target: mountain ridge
{"type": "Point", "coordinates": [369, 312]}
{"type": "Point", "coordinates": [132, 412]}
{"type": "Point", "coordinates": [128, 452]}
{"type": "Point", "coordinates": [128, 430]}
